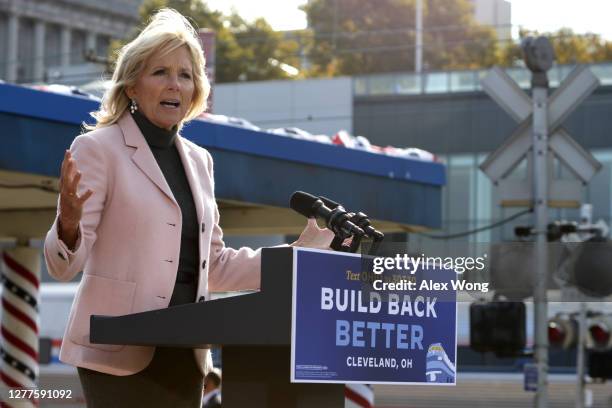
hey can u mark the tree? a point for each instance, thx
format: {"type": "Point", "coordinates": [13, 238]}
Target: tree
{"type": "Point", "coordinates": [264, 53]}
{"type": "Point", "coordinates": [357, 37]}
{"type": "Point", "coordinates": [453, 39]}
{"type": "Point", "coordinates": [244, 50]}
{"type": "Point", "coordinates": [196, 11]}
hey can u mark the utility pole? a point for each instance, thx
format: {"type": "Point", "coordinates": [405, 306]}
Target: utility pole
{"type": "Point", "coordinates": [335, 28]}
{"type": "Point", "coordinates": [586, 219]}
{"type": "Point", "coordinates": [418, 48]}
{"type": "Point", "coordinates": [539, 56]}
{"type": "Point", "coordinates": [539, 138]}
{"type": "Point", "coordinates": [580, 357]}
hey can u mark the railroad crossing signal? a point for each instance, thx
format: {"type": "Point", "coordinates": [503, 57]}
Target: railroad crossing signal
{"type": "Point", "coordinates": [563, 331]}
{"type": "Point", "coordinates": [540, 139]}
{"type": "Point", "coordinates": [600, 333]}
{"type": "Point", "coordinates": [599, 342]}
{"type": "Point", "coordinates": [562, 193]}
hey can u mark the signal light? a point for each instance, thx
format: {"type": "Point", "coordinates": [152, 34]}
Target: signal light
{"type": "Point", "coordinates": [600, 335]}
{"type": "Point", "coordinates": [498, 327]}
{"type": "Point", "coordinates": [556, 334]}
{"type": "Point", "coordinates": [562, 331]}
{"type": "Point", "coordinates": [599, 342]}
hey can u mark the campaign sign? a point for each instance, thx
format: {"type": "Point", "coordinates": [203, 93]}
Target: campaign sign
{"type": "Point", "coordinates": [344, 332]}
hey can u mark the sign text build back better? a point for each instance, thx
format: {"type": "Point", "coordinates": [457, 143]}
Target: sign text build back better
{"type": "Point", "coordinates": [345, 331]}
{"type": "Point", "coordinates": [373, 333]}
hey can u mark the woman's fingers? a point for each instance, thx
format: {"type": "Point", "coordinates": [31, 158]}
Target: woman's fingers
{"type": "Point", "coordinates": [312, 223]}
{"type": "Point", "coordinates": [65, 161]}
{"type": "Point", "coordinates": [314, 237]}
{"type": "Point", "coordinates": [70, 171]}
{"type": "Point", "coordinates": [74, 183]}
{"type": "Point", "coordinates": [70, 178]}
{"type": "Point", "coordinates": [67, 174]}
{"type": "Point", "coordinates": [63, 170]}
{"type": "Point", "coordinates": [85, 197]}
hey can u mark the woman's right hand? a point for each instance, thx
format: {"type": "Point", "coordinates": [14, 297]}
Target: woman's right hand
{"type": "Point", "coordinates": [70, 203]}
{"type": "Point", "coordinates": [314, 237]}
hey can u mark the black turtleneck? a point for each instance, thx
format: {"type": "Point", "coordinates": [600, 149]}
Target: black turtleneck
{"type": "Point", "coordinates": [162, 144]}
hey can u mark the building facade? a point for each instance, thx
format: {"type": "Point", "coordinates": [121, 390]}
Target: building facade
{"type": "Point", "coordinates": [446, 113]}
{"type": "Point", "coordinates": [319, 106]}
{"type": "Point", "coordinates": [497, 14]}
{"type": "Point", "coordinates": [46, 40]}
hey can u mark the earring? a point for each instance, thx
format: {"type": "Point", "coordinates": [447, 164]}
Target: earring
{"type": "Point", "coordinates": [133, 106]}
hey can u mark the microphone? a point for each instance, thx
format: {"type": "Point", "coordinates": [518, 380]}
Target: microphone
{"type": "Point", "coordinates": [360, 219]}
{"type": "Point", "coordinates": [329, 202]}
{"type": "Point", "coordinates": [337, 219]}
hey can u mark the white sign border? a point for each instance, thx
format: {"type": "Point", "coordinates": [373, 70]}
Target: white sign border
{"type": "Point", "coordinates": [293, 311]}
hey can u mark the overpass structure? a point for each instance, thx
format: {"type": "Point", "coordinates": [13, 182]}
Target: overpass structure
{"type": "Point", "coordinates": [256, 172]}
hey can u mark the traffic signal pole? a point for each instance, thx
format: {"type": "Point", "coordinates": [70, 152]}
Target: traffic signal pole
{"type": "Point", "coordinates": [539, 56]}
{"type": "Point", "coordinates": [586, 218]}
{"type": "Point", "coordinates": [418, 49]}
{"type": "Point", "coordinates": [580, 357]}
{"type": "Point", "coordinates": [540, 131]}
{"type": "Point", "coordinates": [540, 201]}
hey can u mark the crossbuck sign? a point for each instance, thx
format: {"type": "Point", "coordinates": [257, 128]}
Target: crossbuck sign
{"type": "Point", "coordinates": [499, 164]}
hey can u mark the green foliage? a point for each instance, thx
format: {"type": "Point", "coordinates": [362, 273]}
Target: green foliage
{"type": "Point", "coordinates": [262, 51]}
{"type": "Point", "coordinates": [356, 37]}
{"type": "Point", "coordinates": [195, 10]}
{"type": "Point", "coordinates": [349, 37]}
{"type": "Point", "coordinates": [458, 41]}
{"type": "Point", "coordinates": [244, 50]}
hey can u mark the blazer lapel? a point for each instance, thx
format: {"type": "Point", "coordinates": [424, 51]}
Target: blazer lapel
{"type": "Point", "coordinates": [143, 157]}
{"type": "Point", "coordinates": [191, 170]}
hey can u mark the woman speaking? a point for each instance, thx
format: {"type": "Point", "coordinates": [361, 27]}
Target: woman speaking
{"type": "Point", "coordinates": [137, 214]}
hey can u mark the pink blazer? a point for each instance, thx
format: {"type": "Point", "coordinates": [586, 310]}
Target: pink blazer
{"type": "Point", "coordinates": [129, 242]}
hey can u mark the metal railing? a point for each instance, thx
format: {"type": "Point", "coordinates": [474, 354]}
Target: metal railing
{"type": "Point", "coordinates": [409, 83]}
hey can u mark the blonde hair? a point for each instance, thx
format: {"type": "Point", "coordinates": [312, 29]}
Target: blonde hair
{"type": "Point", "coordinates": [167, 31]}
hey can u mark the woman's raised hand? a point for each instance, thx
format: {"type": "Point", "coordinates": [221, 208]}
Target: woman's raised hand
{"type": "Point", "coordinates": [314, 237]}
{"type": "Point", "coordinates": [70, 203]}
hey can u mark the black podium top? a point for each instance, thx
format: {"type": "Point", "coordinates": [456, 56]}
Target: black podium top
{"type": "Point", "coordinates": [262, 318]}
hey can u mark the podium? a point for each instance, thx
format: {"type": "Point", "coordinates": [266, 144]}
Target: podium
{"type": "Point", "coordinates": [254, 331]}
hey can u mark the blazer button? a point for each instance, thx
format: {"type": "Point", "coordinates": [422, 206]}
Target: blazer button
{"type": "Point", "coordinates": [203, 228]}
{"type": "Point", "coordinates": [204, 264]}
{"type": "Point", "coordinates": [201, 299]}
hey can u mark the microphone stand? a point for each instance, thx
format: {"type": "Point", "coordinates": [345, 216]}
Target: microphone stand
{"type": "Point", "coordinates": [341, 236]}
{"type": "Point", "coordinates": [362, 221]}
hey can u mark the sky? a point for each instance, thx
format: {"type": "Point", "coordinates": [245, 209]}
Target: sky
{"type": "Point", "coordinates": [543, 15]}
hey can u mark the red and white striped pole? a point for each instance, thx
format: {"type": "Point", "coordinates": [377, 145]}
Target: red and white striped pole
{"type": "Point", "coordinates": [19, 324]}
{"type": "Point", "coordinates": [358, 396]}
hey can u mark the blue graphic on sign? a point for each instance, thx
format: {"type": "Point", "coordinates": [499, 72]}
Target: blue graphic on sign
{"type": "Point", "coordinates": [439, 368]}
{"type": "Point", "coordinates": [344, 331]}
